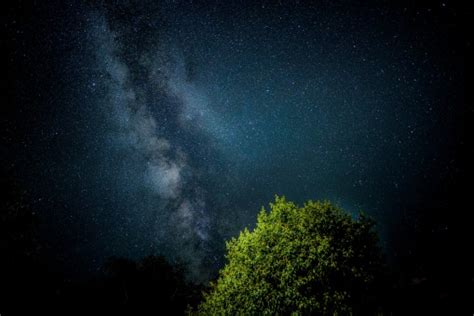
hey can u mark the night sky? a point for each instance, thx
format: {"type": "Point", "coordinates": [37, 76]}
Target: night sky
{"type": "Point", "coordinates": [162, 127]}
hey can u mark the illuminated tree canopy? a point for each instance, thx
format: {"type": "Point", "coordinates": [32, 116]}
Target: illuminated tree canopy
{"type": "Point", "coordinates": [314, 259]}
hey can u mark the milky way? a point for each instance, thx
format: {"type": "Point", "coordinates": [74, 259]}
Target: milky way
{"type": "Point", "coordinates": [160, 165]}
{"type": "Point", "coordinates": [162, 128]}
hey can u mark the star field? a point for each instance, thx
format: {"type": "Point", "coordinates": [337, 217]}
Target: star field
{"type": "Point", "coordinates": [164, 127]}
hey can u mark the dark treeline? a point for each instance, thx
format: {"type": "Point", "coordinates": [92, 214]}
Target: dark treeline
{"type": "Point", "coordinates": [28, 281]}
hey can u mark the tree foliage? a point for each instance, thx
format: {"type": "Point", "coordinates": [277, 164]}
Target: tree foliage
{"type": "Point", "coordinates": [314, 259]}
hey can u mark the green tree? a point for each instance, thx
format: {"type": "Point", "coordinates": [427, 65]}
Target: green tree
{"type": "Point", "coordinates": [314, 259]}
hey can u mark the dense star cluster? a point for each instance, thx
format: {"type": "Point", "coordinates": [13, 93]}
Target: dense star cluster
{"type": "Point", "coordinates": [162, 127]}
